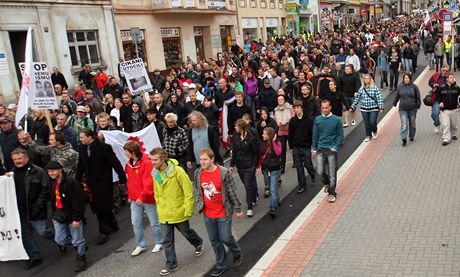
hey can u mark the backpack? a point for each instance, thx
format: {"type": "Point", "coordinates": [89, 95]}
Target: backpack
{"type": "Point", "coordinates": [85, 122]}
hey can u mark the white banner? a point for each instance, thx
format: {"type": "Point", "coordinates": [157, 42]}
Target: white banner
{"type": "Point", "coordinates": [41, 91]}
{"type": "Point", "coordinates": [136, 76]}
{"type": "Point", "coordinates": [11, 247]}
{"type": "Point", "coordinates": [4, 70]}
{"type": "Point", "coordinates": [148, 137]}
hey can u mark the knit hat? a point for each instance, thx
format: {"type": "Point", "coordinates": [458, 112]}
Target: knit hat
{"type": "Point", "coordinates": [54, 165]}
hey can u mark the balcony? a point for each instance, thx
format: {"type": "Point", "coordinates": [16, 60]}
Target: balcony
{"type": "Point", "coordinates": [175, 6]}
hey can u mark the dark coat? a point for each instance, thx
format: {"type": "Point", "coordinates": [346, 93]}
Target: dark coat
{"type": "Point", "coordinates": [37, 193]}
{"type": "Point", "coordinates": [214, 144]}
{"type": "Point", "coordinates": [245, 153]}
{"type": "Point", "coordinates": [97, 169]}
{"type": "Point", "coordinates": [58, 78]}
{"type": "Point", "coordinates": [8, 142]}
{"type": "Point", "coordinates": [270, 122]}
{"type": "Point", "coordinates": [266, 98]}
{"type": "Point", "coordinates": [72, 200]}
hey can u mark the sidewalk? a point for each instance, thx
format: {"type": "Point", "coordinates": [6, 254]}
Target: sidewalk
{"type": "Point", "coordinates": [396, 212]}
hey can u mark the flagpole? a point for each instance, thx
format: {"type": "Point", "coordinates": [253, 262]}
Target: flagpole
{"type": "Point", "coordinates": [23, 103]}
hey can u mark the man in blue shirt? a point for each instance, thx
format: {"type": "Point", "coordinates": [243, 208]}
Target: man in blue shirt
{"type": "Point", "coordinates": [327, 138]}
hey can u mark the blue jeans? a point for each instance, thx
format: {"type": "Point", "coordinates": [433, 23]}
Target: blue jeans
{"type": "Point", "coordinates": [302, 159]}
{"type": "Point", "coordinates": [407, 123]}
{"type": "Point", "coordinates": [42, 228]}
{"type": "Point", "coordinates": [220, 233]}
{"type": "Point", "coordinates": [408, 65]}
{"type": "Point", "coordinates": [68, 236]}
{"type": "Point", "coordinates": [435, 111]}
{"type": "Point", "coordinates": [370, 122]}
{"type": "Point", "coordinates": [327, 168]}
{"type": "Point", "coordinates": [137, 219]}
{"type": "Point", "coordinates": [431, 60]}
{"type": "Point", "coordinates": [394, 78]}
{"type": "Point", "coordinates": [271, 180]}
{"type": "Point", "coordinates": [250, 101]}
{"type": "Point", "coordinates": [28, 241]}
{"type": "Point", "coordinates": [248, 178]}
{"type": "Point", "coordinates": [168, 245]}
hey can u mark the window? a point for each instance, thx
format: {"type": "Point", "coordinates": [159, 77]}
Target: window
{"type": "Point", "coordinates": [280, 4]}
{"type": "Point", "coordinates": [263, 4]}
{"type": "Point", "coordinates": [83, 47]}
{"type": "Point", "coordinates": [243, 3]}
{"type": "Point", "coordinates": [253, 3]}
{"type": "Point", "coordinates": [272, 4]}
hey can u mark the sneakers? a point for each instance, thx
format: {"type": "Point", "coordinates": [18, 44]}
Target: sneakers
{"type": "Point", "coordinates": [345, 124]}
{"type": "Point", "coordinates": [444, 143]}
{"type": "Point", "coordinates": [454, 137]}
{"type": "Point", "coordinates": [404, 142]}
{"type": "Point", "coordinates": [80, 263]}
{"type": "Point", "coordinates": [266, 193]}
{"type": "Point", "coordinates": [331, 199]}
{"type": "Point", "coordinates": [301, 190]}
{"type": "Point", "coordinates": [436, 130]}
{"type": "Point", "coordinates": [272, 212]}
{"type": "Point", "coordinates": [157, 248]}
{"type": "Point", "coordinates": [199, 250]}
{"type": "Point", "coordinates": [101, 239]}
{"type": "Point", "coordinates": [374, 135]}
{"type": "Point", "coordinates": [137, 251]}
{"type": "Point", "coordinates": [249, 213]}
{"type": "Point", "coordinates": [367, 139]}
{"type": "Point", "coordinates": [313, 179]}
{"type": "Point", "coordinates": [166, 271]}
{"type": "Point", "coordinates": [325, 188]}
{"type": "Point", "coordinates": [237, 260]}
{"type": "Point", "coordinates": [217, 271]}
{"type": "Point", "coordinates": [353, 122]}
{"type": "Point", "coordinates": [32, 263]}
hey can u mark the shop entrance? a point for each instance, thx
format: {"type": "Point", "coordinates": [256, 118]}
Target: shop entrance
{"type": "Point", "coordinates": [199, 45]}
{"type": "Point", "coordinates": [171, 46]}
{"type": "Point", "coordinates": [18, 43]}
{"type": "Point", "coordinates": [226, 37]}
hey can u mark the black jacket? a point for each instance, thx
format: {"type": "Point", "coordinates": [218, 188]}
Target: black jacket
{"type": "Point", "coordinates": [266, 97]}
{"type": "Point", "coordinates": [35, 185]}
{"type": "Point", "coordinates": [235, 113]}
{"type": "Point", "coordinates": [337, 102]}
{"type": "Point", "coordinates": [71, 193]}
{"type": "Point", "coordinates": [58, 78]}
{"type": "Point", "coordinates": [270, 122]}
{"type": "Point", "coordinates": [310, 106]}
{"type": "Point", "coordinates": [188, 108]}
{"type": "Point", "coordinates": [8, 142]}
{"type": "Point", "coordinates": [163, 110]}
{"type": "Point", "coordinates": [449, 96]}
{"type": "Point", "coordinates": [115, 90]}
{"type": "Point", "coordinates": [211, 113]}
{"type": "Point", "coordinates": [158, 83]}
{"type": "Point", "coordinates": [300, 131]}
{"type": "Point", "coordinates": [214, 144]}
{"type": "Point", "coordinates": [97, 169]}
{"type": "Point", "coordinates": [245, 153]}
{"type": "Point", "coordinates": [349, 84]}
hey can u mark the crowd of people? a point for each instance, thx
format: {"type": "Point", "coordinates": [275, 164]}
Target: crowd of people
{"type": "Point", "coordinates": [253, 105]}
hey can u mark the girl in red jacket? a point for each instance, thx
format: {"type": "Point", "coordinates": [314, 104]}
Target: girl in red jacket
{"type": "Point", "coordinates": [101, 79]}
{"type": "Point", "coordinates": [140, 195]}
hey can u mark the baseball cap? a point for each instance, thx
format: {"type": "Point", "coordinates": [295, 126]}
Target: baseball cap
{"type": "Point", "coordinates": [81, 109]}
{"type": "Point", "coordinates": [192, 86]}
{"type": "Point", "coordinates": [5, 119]}
{"type": "Point", "coordinates": [149, 111]}
{"type": "Point", "coordinates": [54, 165]}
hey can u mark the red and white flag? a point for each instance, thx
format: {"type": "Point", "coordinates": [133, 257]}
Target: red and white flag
{"type": "Point", "coordinates": [23, 103]}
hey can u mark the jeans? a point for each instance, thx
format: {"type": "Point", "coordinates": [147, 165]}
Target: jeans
{"type": "Point", "coordinates": [302, 158]}
{"type": "Point", "coordinates": [435, 110]}
{"type": "Point", "coordinates": [250, 101]}
{"type": "Point", "coordinates": [327, 168]}
{"type": "Point", "coordinates": [449, 59]}
{"type": "Point", "coordinates": [439, 62]}
{"type": "Point", "coordinates": [383, 79]}
{"type": "Point", "coordinates": [408, 65]}
{"type": "Point", "coordinates": [283, 140]}
{"type": "Point", "coordinates": [220, 233]}
{"type": "Point", "coordinates": [137, 219]}
{"type": "Point", "coordinates": [431, 61]}
{"type": "Point", "coordinates": [449, 123]}
{"type": "Point", "coordinates": [168, 232]}
{"type": "Point", "coordinates": [42, 228]}
{"type": "Point", "coordinates": [394, 78]}
{"type": "Point", "coordinates": [68, 236]}
{"type": "Point", "coordinates": [271, 179]}
{"type": "Point", "coordinates": [408, 123]}
{"type": "Point", "coordinates": [248, 178]}
{"type": "Point", "coordinates": [414, 62]}
{"type": "Point", "coordinates": [370, 122]}
{"type": "Point", "coordinates": [27, 240]}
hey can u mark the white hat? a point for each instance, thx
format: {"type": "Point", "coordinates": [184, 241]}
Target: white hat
{"type": "Point", "coordinates": [11, 106]}
{"type": "Point", "coordinates": [81, 109]}
{"type": "Point", "coordinates": [185, 84]}
{"type": "Point", "coordinates": [192, 86]}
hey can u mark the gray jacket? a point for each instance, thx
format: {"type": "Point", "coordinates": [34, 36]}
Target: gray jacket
{"type": "Point", "coordinates": [229, 197]}
{"type": "Point", "coordinates": [408, 97]}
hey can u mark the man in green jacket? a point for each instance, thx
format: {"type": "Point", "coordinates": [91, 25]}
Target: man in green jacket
{"type": "Point", "coordinates": [174, 199]}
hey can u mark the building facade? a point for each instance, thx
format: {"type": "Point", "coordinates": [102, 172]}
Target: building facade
{"type": "Point", "coordinates": [261, 19]}
{"type": "Point", "coordinates": [173, 30]}
{"type": "Point", "coordinates": [66, 34]}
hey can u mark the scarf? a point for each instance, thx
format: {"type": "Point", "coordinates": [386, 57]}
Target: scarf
{"type": "Point", "coordinates": [283, 113]}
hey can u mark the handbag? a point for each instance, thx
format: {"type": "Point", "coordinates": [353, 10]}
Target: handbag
{"type": "Point", "coordinates": [365, 90]}
{"type": "Point", "coordinates": [427, 100]}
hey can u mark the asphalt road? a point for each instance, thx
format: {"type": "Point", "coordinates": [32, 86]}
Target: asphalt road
{"type": "Point", "coordinates": [255, 234]}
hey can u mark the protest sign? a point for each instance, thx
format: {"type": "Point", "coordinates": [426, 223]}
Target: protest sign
{"type": "Point", "coordinates": [136, 76]}
{"type": "Point", "coordinates": [41, 91]}
{"type": "Point", "coordinates": [11, 247]}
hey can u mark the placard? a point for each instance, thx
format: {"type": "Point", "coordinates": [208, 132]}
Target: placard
{"type": "Point", "coordinates": [136, 76]}
{"type": "Point", "coordinates": [41, 89]}
{"type": "Point", "coordinates": [4, 70]}
{"type": "Point", "coordinates": [216, 42]}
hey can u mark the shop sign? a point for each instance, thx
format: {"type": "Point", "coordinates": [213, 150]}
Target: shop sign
{"type": "Point", "coordinates": [271, 22]}
{"type": "Point", "coordinates": [249, 23]}
{"type": "Point", "coordinates": [125, 35]}
{"type": "Point", "coordinates": [176, 3]}
{"type": "Point", "coordinates": [290, 7]}
{"type": "Point", "coordinates": [190, 3]}
{"type": "Point", "coordinates": [169, 32]}
{"type": "Point", "coordinates": [214, 4]}
{"type": "Point", "coordinates": [216, 41]}
{"type": "Point", "coordinates": [197, 31]}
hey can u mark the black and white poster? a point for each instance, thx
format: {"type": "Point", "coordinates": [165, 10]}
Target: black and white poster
{"type": "Point", "coordinates": [136, 76]}
{"type": "Point", "coordinates": [41, 92]}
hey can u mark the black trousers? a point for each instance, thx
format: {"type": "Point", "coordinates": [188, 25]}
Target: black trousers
{"type": "Point", "coordinates": [107, 222]}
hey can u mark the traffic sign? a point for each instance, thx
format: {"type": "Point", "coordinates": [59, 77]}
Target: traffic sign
{"type": "Point", "coordinates": [441, 14]}
{"type": "Point", "coordinates": [453, 5]}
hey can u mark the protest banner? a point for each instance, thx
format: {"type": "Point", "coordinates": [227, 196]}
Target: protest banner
{"type": "Point", "coordinates": [136, 76]}
{"type": "Point", "coordinates": [11, 247]}
{"type": "Point", "coordinates": [41, 91]}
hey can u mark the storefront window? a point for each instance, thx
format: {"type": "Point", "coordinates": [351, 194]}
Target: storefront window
{"type": "Point", "coordinates": [129, 49]}
{"type": "Point", "coordinates": [171, 46]}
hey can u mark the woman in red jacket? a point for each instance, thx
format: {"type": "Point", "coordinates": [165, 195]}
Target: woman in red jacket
{"type": "Point", "coordinates": [101, 80]}
{"type": "Point", "coordinates": [140, 195]}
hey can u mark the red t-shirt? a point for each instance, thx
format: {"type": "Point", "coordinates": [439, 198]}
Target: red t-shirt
{"type": "Point", "coordinates": [211, 185]}
{"type": "Point", "coordinates": [58, 196]}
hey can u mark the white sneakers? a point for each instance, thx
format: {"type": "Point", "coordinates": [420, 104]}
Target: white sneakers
{"type": "Point", "coordinates": [374, 135]}
{"type": "Point", "coordinates": [367, 139]}
{"type": "Point", "coordinates": [137, 251]}
{"type": "Point", "coordinates": [157, 248]}
{"type": "Point", "coordinates": [353, 123]}
{"type": "Point", "coordinates": [346, 124]}
{"type": "Point", "coordinates": [436, 130]}
{"type": "Point", "coordinates": [249, 213]}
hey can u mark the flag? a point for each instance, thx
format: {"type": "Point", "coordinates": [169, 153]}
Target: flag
{"type": "Point", "coordinates": [147, 137]}
{"type": "Point", "coordinates": [223, 121]}
{"type": "Point", "coordinates": [24, 95]}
